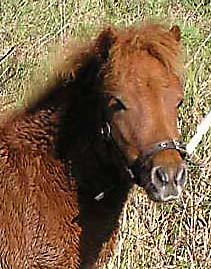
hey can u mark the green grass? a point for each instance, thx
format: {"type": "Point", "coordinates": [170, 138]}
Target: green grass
{"type": "Point", "coordinates": [176, 235]}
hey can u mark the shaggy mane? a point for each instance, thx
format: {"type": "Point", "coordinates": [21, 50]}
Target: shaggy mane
{"type": "Point", "coordinates": [155, 38]}
{"type": "Point", "coordinates": [75, 56]}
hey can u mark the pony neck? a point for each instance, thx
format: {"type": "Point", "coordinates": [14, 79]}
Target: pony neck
{"type": "Point", "coordinates": [93, 162]}
{"type": "Point", "coordinates": [74, 110]}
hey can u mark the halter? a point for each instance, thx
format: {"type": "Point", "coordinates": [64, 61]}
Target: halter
{"type": "Point", "coordinates": [142, 160]}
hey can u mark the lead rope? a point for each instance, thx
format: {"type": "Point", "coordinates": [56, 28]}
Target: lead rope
{"type": "Point", "coordinates": [201, 131]}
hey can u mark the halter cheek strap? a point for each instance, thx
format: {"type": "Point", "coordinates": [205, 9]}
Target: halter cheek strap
{"type": "Point", "coordinates": [141, 161]}
{"type": "Point", "coordinates": [144, 158]}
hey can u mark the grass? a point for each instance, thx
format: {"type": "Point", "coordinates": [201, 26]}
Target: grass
{"type": "Point", "coordinates": [154, 236]}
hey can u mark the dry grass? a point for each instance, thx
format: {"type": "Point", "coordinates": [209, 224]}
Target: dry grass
{"type": "Point", "coordinates": [176, 235]}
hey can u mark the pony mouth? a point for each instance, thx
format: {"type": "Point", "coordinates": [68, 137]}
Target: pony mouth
{"type": "Point", "coordinates": [159, 196]}
{"type": "Point", "coordinates": [156, 197]}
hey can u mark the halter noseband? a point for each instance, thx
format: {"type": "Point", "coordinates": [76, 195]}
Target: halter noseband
{"type": "Point", "coordinates": [146, 156]}
{"type": "Point", "coordinates": [161, 146]}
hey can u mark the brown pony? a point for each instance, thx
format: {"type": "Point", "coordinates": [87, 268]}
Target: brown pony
{"type": "Point", "coordinates": [108, 118]}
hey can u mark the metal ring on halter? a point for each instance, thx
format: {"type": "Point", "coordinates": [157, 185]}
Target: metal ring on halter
{"type": "Point", "coordinates": [106, 130]}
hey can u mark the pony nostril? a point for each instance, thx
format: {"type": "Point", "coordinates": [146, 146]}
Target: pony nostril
{"type": "Point", "coordinates": [181, 176]}
{"type": "Point", "coordinates": [161, 175]}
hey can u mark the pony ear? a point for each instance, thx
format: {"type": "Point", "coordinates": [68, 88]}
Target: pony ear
{"type": "Point", "coordinates": [175, 31]}
{"type": "Point", "coordinates": [104, 42]}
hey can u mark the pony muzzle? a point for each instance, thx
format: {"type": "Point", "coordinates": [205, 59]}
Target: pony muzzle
{"type": "Point", "coordinates": [161, 172]}
{"type": "Point", "coordinates": [167, 182]}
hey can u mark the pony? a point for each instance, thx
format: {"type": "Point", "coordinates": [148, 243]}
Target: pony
{"type": "Point", "coordinates": [105, 120]}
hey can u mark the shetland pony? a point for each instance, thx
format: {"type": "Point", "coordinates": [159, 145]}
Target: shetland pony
{"type": "Point", "coordinates": [107, 120]}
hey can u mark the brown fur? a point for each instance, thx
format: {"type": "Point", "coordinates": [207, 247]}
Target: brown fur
{"type": "Point", "coordinates": [54, 162]}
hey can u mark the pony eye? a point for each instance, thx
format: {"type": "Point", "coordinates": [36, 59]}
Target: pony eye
{"type": "Point", "coordinates": [119, 105]}
{"type": "Point", "coordinates": [116, 104]}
